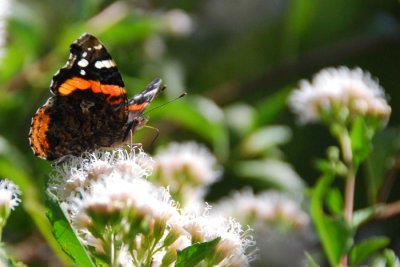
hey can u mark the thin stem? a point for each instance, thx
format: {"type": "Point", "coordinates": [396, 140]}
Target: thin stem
{"type": "Point", "coordinates": [349, 196]}
{"type": "Point", "coordinates": [150, 254]}
{"type": "Point", "coordinates": [113, 263]}
{"type": "Point", "coordinates": [390, 210]}
{"type": "Point", "coordinates": [345, 143]}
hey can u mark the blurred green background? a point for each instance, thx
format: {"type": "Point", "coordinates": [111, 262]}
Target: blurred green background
{"type": "Point", "coordinates": [238, 60]}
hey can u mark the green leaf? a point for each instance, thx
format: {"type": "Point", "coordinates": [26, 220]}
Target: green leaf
{"type": "Point", "coordinates": [265, 138]}
{"type": "Point", "coordinates": [365, 249]}
{"type": "Point", "coordinates": [64, 234]}
{"type": "Point", "coordinates": [385, 144]}
{"type": "Point", "coordinates": [363, 215]}
{"type": "Point", "coordinates": [334, 232]}
{"type": "Point", "coordinates": [360, 141]}
{"type": "Point", "coordinates": [272, 172]}
{"type": "Point", "coordinates": [13, 165]}
{"type": "Point", "coordinates": [194, 254]}
{"type": "Point", "coordinates": [310, 260]}
{"type": "Point", "coordinates": [391, 258]}
{"type": "Point", "coordinates": [334, 201]}
{"type": "Point", "coordinates": [272, 106]}
{"type": "Point", "coordinates": [298, 20]}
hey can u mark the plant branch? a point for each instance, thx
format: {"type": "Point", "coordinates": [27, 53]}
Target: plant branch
{"type": "Point", "coordinates": [390, 210]}
{"type": "Point", "coordinates": [389, 180]}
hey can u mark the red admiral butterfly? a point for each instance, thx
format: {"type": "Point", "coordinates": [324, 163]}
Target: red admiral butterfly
{"type": "Point", "coordinates": [89, 109]}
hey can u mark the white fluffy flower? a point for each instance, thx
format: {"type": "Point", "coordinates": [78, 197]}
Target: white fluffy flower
{"type": "Point", "coordinates": [9, 194]}
{"type": "Point", "coordinates": [178, 22]}
{"type": "Point", "coordinates": [281, 227]}
{"type": "Point", "coordinates": [106, 183]}
{"type": "Point", "coordinates": [77, 174]}
{"type": "Point", "coordinates": [106, 198]}
{"type": "Point", "coordinates": [236, 247]}
{"type": "Point", "coordinates": [354, 89]}
{"type": "Point", "coordinates": [189, 157]}
{"type": "Point", "coordinates": [262, 209]}
{"type": "Point", "coordinates": [115, 195]}
{"type": "Point", "coordinates": [5, 11]}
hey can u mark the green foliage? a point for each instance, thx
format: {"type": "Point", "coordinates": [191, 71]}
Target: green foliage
{"type": "Point", "coordinates": [383, 157]}
{"type": "Point", "coordinates": [335, 233]}
{"type": "Point", "coordinates": [391, 259]}
{"type": "Point", "coordinates": [363, 215]}
{"type": "Point", "coordinates": [193, 255]}
{"type": "Point", "coordinates": [311, 260]}
{"type": "Point", "coordinates": [334, 201]}
{"type": "Point", "coordinates": [360, 140]}
{"type": "Point", "coordinates": [64, 234]}
{"type": "Point", "coordinates": [366, 248]}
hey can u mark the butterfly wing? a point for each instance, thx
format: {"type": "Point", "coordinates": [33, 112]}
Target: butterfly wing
{"type": "Point", "coordinates": [89, 107]}
{"type": "Point", "coordinates": [138, 103]}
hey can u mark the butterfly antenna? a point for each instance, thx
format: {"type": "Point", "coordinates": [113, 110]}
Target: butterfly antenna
{"type": "Point", "coordinates": [155, 129]}
{"type": "Point", "coordinates": [182, 95]}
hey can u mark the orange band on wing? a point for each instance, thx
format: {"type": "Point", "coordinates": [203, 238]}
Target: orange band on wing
{"type": "Point", "coordinates": [134, 107]}
{"type": "Point", "coordinates": [75, 83]}
{"type": "Point", "coordinates": [38, 136]}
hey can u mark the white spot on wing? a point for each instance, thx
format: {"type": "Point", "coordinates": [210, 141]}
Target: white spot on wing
{"type": "Point", "coordinates": [83, 72]}
{"type": "Point", "coordinates": [98, 47]}
{"type": "Point", "coordinates": [108, 63]}
{"type": "Point", "coordinates": [83, 63]}
{"type": "Point", "coordinates": [99, 64]}
{"type": "Point", "coordinates": [84, 54]}
{"type": "Point", "coordinates": [89, 49]}
{"type": "Point", "coordinates": [149, 93]}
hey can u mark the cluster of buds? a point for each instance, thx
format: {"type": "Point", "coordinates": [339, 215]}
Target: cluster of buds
{"type": "Point", "coordinates": [129, 221]}
{"type": "Point", "coordinates": [340, 94]}
{"type": "Point", "coordinates": [8, 200]}
{"type": "Point", "coordinates": [186, 169]}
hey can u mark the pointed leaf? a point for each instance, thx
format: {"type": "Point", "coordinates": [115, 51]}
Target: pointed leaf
{"type": "Point", "coordinates": [363, 215]}
{"type": "Point", "coordinates": [64, 234]}
{"type": "Point", "coordinates": [334, 232]}
{"type": "Point", "coordinates": [365, 249]}
{"type": "Point", "coordinates": [391, 258]}
{"type": "Point", "coordinates": [334, 201]}
{"type": "Point", "coordinates": [311, 260]}
{"type": "Point", "coordinates": [194, 254]}
{"type": "Point", "coordinates": [360, 141]}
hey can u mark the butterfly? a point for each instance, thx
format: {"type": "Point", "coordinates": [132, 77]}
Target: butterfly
{"type": "Point", "coordinates": [89, 108]}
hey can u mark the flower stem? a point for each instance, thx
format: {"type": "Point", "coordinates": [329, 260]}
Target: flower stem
{"type": "Point", "coordinates": [113, 263]}
{"type": "Point", "coordinates": [349, 196]}
{"type": "Point", "coordinates": [345, 142]}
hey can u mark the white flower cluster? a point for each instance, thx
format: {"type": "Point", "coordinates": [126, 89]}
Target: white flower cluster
{"type": "Point", "coordinates": [106, 193]}
{"type": "Point", "coordinates": [177, 22]}
{"type": "Point", "coordinates": [5, 12]}
{"type": "Point", "coordinates": [263, 208]}
{"type": "Point", "coordinates": [9, 194]}
{"type": "Point", "coordinates": [237, 246]}
{"type": "Point", "coordinates": [353, 89]}
{"type": "Point", "coordinates": [190, 156]}
{"type": "Point", "coordinates": [187, 169]}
